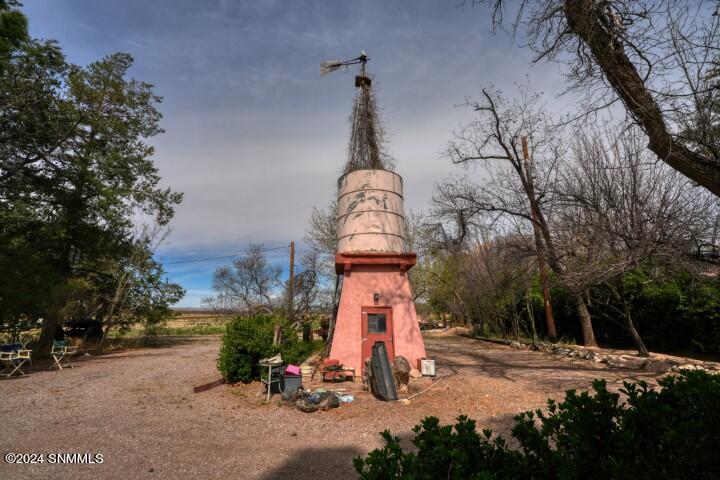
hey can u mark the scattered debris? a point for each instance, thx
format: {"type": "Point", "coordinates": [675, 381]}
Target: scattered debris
{"type": "Point", "coordinates": [321, 399]}
{"type": "Point", "coordinates": [346, 398]}
{"type": "Point", "coordinates": [331, 370]}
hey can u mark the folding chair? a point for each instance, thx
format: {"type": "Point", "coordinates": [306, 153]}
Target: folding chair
{"type": "Point", "coordinates": [13, 356]}
{"type": "Point", "coordinates": [62, 352]}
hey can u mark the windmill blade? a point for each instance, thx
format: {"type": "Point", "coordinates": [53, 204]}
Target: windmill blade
{"type": "Point", "coordinates": [330, 66]}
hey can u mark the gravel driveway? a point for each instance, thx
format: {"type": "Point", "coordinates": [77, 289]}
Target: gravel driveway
{"type": "Point", "coordinates": [136, 408]}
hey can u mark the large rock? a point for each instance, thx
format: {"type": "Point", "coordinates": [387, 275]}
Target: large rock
{"type": "Point", "coordinates": [658, 366]}
{"type": "Point", "coordinates": [625, 361]}
{"type": "Point", "coordinates": [401, 373]}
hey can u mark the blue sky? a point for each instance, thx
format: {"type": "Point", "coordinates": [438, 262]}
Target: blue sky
{"type": "Point", "coordinates": [254, 136]}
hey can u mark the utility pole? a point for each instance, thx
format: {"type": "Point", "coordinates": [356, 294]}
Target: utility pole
{"type": "Point", "coordinates": [291, 284]}
{"type": "Point", "coordinates": [539, 247]}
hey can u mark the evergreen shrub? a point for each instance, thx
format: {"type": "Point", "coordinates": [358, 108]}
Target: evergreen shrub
{"type": "Point", "coordinates": [247, 340]}
{"type": "Point", "coordinates": [667, 434]}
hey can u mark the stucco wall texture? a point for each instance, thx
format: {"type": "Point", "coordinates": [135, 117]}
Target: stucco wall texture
{"type": "Point", "coordinates": [357, 292]}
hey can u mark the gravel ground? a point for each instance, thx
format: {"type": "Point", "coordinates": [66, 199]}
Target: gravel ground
{"type": "Point", "coordinates": [137, 409]}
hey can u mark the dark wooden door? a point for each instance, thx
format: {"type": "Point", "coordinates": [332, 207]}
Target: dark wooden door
{"type": "Point", "coordinates": [377, 327]}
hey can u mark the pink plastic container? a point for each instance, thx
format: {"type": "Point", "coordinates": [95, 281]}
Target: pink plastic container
{"type": "Point", "coordinates": [292, 370]}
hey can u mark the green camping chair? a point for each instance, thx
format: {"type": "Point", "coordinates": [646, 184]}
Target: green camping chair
{"type": "Point", "coordinates": [61, 353]}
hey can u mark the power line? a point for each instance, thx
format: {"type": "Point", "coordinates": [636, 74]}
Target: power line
{"type": "Point", "coordinates": [194, 260]}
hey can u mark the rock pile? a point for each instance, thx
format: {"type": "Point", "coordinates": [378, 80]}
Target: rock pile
{"type": "Point", "coordinates": [653, 363]}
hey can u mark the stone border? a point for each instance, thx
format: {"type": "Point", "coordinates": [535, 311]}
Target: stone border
{"type": "Point", "coordinates": [658, 363]}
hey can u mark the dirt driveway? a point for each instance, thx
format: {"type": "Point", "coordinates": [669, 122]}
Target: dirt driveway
{"type": "Point", "coordinates": [137, 409]}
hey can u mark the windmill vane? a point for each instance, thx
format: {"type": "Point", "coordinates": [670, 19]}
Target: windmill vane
{"type": "Point", "coordinates": [330, 66]}
{"type": "Point", "coordinates": [366, 147]}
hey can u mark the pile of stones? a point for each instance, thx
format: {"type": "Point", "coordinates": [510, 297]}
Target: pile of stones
{"type": "Point", "coordinates": [651, 363]}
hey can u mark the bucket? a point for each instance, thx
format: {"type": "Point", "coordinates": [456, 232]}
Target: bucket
{"type": "Point", "coordinates": [427, 367]}
{"type": "Point", "coordinates": [290, 383]}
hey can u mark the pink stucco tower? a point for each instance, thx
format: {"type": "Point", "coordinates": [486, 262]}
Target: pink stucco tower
{"type": "Point", "coordinates": [376, 302]}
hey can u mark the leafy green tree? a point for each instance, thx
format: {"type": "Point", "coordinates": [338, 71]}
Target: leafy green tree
{"type": "Point", "coordinates": [13, 27]}
{"type": "Point", "coordinates": [75, 170]}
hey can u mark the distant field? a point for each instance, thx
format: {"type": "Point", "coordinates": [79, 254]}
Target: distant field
{"type": "Point", "coordinates": [195, 323]}
{"type": "Point", "coordinates": [187, 323]}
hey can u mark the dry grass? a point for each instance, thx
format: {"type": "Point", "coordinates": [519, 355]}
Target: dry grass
{"type": "Point", "coordinates": [184, 323]}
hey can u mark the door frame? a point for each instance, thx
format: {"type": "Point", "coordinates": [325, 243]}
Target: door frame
{"type": "Point", "coordinates": [389, 322]}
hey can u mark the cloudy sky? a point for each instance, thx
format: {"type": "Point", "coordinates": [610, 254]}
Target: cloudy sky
{"type": "Point", "coordinates": [254, 136]}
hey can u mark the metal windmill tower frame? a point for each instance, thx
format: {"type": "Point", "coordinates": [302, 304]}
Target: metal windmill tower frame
{"type": "Point", "coordinates": [366, 147]}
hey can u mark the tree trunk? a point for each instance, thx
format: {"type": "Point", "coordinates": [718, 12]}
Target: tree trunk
{"type": "Point", "coordinates": [103, 339]}
{"type": "Point", "coordinates": [630, 325]}
{"type": "Point", "coordinates": [585, 321]}
{"type": "Point", "coordinates": [47, 336]}
{"type": "Point", "coordinates": [587, 20]}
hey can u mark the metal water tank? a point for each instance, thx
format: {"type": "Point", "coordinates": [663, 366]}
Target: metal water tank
{"type": "Point", "coordinates": [370, 212]}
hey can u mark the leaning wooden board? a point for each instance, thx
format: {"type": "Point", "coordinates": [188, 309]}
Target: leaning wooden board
{"type": "Point", "coordinates": [383, 381]}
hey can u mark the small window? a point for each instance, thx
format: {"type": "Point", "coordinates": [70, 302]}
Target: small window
{"type": "Point", "coordinates": [377, 323]}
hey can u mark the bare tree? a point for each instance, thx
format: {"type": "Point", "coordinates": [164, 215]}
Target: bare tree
{"type": "Point", "coordinates": [656, 57]}
{"type": "Point", "coordinates": [146, 240]}
{"type": "Point", "coordinates": [311, 293]}
{"type": "Point", "coordinates": [322, 233]}
{"type": "Point", "coordinates": [519, 190]}
{"type": "Point", "coordinates": [249, 285]}
{"type": "Point", "coordinates": [499, 275]}
{"type": "Point", "coordinates": [322, 236]}
{"type": "Point", "coordinates": [618, 210]}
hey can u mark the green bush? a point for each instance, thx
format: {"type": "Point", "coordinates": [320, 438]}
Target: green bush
{"type": "Point", "coordinates": [248, 339]}
{"type": "Point", "coordinates": [671, 433]}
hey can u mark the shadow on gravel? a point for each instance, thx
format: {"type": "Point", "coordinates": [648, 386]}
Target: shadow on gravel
{"type": "Point", "coordinates": [318, 463]}
{"type": "Point", "coordinates": [337, 462]}
{"type": "Point", "coordinates": [541, 369]}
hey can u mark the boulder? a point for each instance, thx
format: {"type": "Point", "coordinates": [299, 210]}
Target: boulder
{"type": "Point", "coordinates": [401, 373]}
{"type": "Point", "coordinates": [587, 355]}
{"type": "Point", "coordinates": [625, 361]}
{"type": "Point", "coordinates": [657, 366]}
